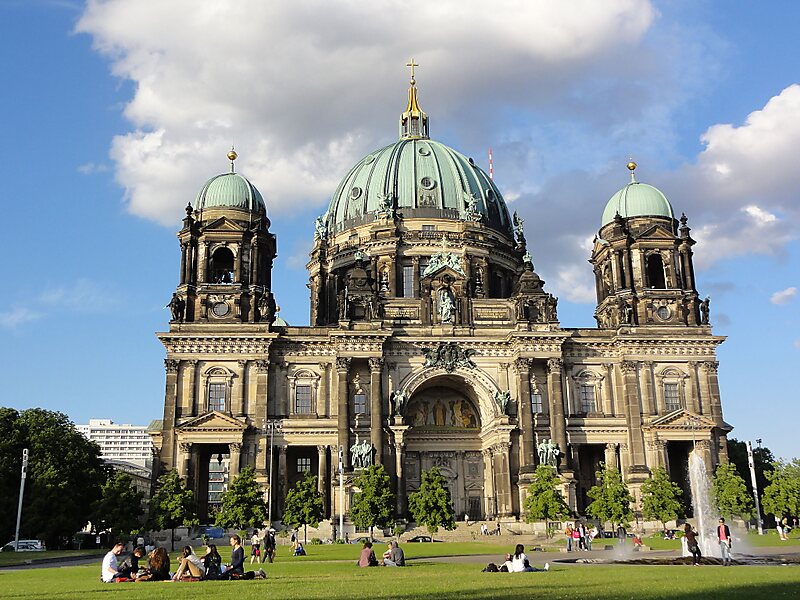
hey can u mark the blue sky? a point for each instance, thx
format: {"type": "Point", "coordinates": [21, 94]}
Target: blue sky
{"type": "Point", "coordinates": [116, 112]}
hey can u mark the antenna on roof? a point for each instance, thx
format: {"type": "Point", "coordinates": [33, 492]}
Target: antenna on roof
{"type": "Point", "coordinates": [491, 165]}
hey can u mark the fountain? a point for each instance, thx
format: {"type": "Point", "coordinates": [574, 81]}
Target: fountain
{"type": "Point", "coordinates": [705, 513]}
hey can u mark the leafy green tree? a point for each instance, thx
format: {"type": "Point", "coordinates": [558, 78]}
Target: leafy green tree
{"type": "Point", "coordinates": [782, 495]}
{"type": "Point", "coordinates": [373, 506]}
{"type": "Point", "coordinates": [119, 508]}
{"type": "Point", "coordinates": [544, 501]}
{"type": "Point", "coordinates": [304, 505]}
{"type": "Point", "coordinates": [730, 493]}
{"type": "Point", "coordinates": [65, 475]}
{"type": "Point", "coordinates": [172, 505]}
{"type": "Point", "coordinates": [431, 504]}
{"type": "Point", "coordinates": [762, 461]}
{"type": "Point", "coordinates": [243, 504]}
{"type": "Point", "coordinates": [661, 497]}
{"type": "Point", "coordinates": [611, 499]}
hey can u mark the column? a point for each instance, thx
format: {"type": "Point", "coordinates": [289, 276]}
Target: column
{"type": "Point", "coordinates": [237, 393]}
{"type": "Point", "coordinates": [503, 478]}
{"type": "Point", "coordinates": [237, 265]}
{"type": "Point", "coordinates": [608, 390]}
{"type": "Point", "coordinates": [712, 386]}
{"type": "Point", "coordinates": [615, 270]}
{"type": "Point", "coordinates": [626, 268]}
{"type": "Point", "coordinates": [633, 414]}
{"type": "Point", "coordinates": [282, 405]}
{"type": "Point", "coordinates": [399, 457]}
{"type": "Point", "coordinates": [323, 398]}
{"type": "Point", "coordinates": [343, 423]}
{"type": "Point", "coordinates": [611, 455]}
{"type": "Point", "coordinates": [254, 279]}
{"type": "Point", "coordinates": [415, 276]}
{"type": "Point", "coordinates": [376, 408]}
{"type": "Point", "coordinates": [558, 425]}
{"type": "Point", "coordinates": [184, 270]}
{"type": "Point", "coordinates": [703, 448]}
{"type": "Point", "coordinates": [461, 482]}
{"type": "Point", "coordinates": [170, 398]}
{"type": "Point", "coordinates": [322, 470]}
{"type": "Point", "coordinates": [490, 500]}
{"type": "Point", "coordinates": [235, 449]}
{"type": "Point", "coordinates": [261, 415]}
{"type": "Point", "coordinates": [649, 404]}
{"type": "Point", "coordinates": [202, 261]}
{"type": "Point", "coordinates": [283, 476]}
{"type": "Point", "coordinates": [186, 459]}
{"type": "Point", "coordinates": [524, 410]}
{"type": "Point", "coordinates": [692, 398]}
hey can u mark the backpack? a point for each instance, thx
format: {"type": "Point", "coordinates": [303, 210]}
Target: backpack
{"type": "Point", "coordinates": [490, 568]}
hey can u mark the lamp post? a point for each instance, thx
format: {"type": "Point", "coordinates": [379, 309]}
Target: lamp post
{"type": "Point", "coordinates": [271, 425]}
{"type": "Point", "coordinates": [23, 476]}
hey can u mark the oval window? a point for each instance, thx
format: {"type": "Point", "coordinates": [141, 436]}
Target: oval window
{"type": "Point", "coordinates": [220, 309]}
{"type": "Point", "coordinates": [424, 151]}
{"type": "Point", "coordinates": [369, 159]}
{"type": "Point", "coordinates": [355, 192]}
{"type": "Point", "coordinates": [663, 313]}
{"type": "Point", "coordinates": [427, 183]}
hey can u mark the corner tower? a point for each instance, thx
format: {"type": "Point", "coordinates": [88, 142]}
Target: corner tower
{"type": "Point", "coordinates": [642, 259]}
{"type": "Point", "coordinates": [227, 253]}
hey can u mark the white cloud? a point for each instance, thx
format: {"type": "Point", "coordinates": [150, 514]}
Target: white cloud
{"type": "Point", "coordinates": [82, 295]}
{"type": "Point", "coordinates": [90, 168]}
{"type": "Point", "coordinates": [783, 296]}
{"type": "Point", "coordinates": [16, 317]}
{"type": "Point", "coordinates": [305, 89]}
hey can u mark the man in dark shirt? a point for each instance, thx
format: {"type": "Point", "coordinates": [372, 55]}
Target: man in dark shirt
{"type": "Point", "coordinates": [131, 565]}
{"type": "Point", "coordinates": [394, 556]}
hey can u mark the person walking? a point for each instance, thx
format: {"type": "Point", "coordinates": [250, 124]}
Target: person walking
{"type": "Point", "coordinates": [691, 544]}
{"type": "Point", "coordinates": [269, 544]}
{"type": "Point", "coordinates": [724, 536]}
{"type": "Point", "coordinates": [568, 534]}
{"type": "Point", "coordinates": [255, 548]}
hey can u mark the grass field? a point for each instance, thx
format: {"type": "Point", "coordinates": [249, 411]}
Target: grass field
{"type": "Point", "coordinates": [331, 574]}
{"type": "Point", "coordinates": [21, 558]}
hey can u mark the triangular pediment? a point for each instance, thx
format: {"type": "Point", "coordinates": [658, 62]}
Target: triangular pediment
{"type": "Point", "coordinates": [224, 224]}
{"type": "Point", "coordinates": [442, 271]}
{"type": "Point", "coordinates": [656, 232]}
{"type": "Point", "coordinates": [683, 420]}
{"type": "Point", "coordinates": [213, 421]}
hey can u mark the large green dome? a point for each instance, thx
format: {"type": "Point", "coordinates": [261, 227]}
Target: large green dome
{"type": "Point", "coordinates": [637, 200]}
{"type": "Point", "coordinates": [230, 190]}
{"type": "Point", "coordinates": [421, 178]}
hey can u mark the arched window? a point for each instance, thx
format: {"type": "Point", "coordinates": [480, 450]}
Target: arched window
{"type": "Point", "coordinates": [655, 272]}
{"type": "Point", "coordinates": [303, 389]}
{"type": "Point", "coordinates": [221, 266]}
{"type": "Point", "coordinates": [671, 382]}
{"type": "Point", "coordinates": [587, 387]}
{"type": "Point", "coordinates": [218, 382]}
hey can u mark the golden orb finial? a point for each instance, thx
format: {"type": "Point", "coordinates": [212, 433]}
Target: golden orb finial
{"type": "Point", "coordinates": [232, 156]}
{"type": "Point", "coordinates": [632, 166]}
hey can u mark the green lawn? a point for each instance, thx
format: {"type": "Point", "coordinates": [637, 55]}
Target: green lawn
{"type": "Point", "coordinates": [21, 558]}
{"type": "Point", "coordinates": [313, 577]}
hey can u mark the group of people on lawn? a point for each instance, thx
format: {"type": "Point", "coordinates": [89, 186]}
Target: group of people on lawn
{"type": "Point", "coordinates": [393, 557]}
{"type": "Point", "coordinates": [190, 567]}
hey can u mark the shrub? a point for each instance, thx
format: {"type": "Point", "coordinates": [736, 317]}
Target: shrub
{"type": "Point", "coordinates": [315, 542]}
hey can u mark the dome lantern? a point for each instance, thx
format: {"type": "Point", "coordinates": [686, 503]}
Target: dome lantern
{"type": "Point", "coordinates": [413, 121]}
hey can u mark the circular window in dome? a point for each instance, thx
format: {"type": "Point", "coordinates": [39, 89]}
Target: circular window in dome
{"type": "Point", "coordinates": [369, 159]}
{"type": "Point", "coordinates": [220, 309]}
{"type": "Point", "coordinates": [490, 195]}
{"type": "Point", "coordinates": [663, 313]}
{"type": "Point", "coordinates": [424, 151]}
{"type": "Point", "coordinates": [471, 161]}
{"type": "Point", "coordinates": [427, 183]}
{"type": "Point", "coordinates": [355, 192]}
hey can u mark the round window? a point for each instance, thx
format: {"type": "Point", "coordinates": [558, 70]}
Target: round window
{"type": "Point", "coordinates": [424, 151]}
{"type": "Point", "coordinates": [220, 309]}
{"type": "Point", "coordinates": [369, 159]}
{"type": "Point", "coordinates": [355, 192]}
{"type": "Point", "coordinates": [490, 195]}
{"type": "Point", "coordinates": [663, 313]}
{"type": "Point", "coordinates": [427, 183]}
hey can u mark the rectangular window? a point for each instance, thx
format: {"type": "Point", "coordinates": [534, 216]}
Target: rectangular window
{"type": "Point", "coordinates": [302, 399]}
{"type": "Point", "coordinates": [587, 399]}
{"type": "Point", "coordinates": [408, 281]}
{"type": "Point", "coordinates": [216, 396]}
{"type": "Point", "coordinates": [536, 403]}
{"type": "Point", "coordinates": [672, 400]}
{"type": "Point", "coordinates": [429, 228]}
{"type": "Point", "coordinates": [303, 465]}
{"type": "Point", "coordinates": [360, 404]}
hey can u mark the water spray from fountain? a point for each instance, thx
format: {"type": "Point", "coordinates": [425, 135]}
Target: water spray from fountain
{"type": "Point", "coordinates": [705, 513]}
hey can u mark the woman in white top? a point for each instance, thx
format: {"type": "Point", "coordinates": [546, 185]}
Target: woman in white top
{"type": "Point", "coordinates": [518, 560]}
{"type": "Point", "coordinates": [190, 566]}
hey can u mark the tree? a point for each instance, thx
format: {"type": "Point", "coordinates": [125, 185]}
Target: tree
{"type": "Point", "coordinates": [543, 500]}
{"type": "Point", "coordinates": [119, 507]}
{"type": "Point", "coordinates": [65, 475]}
{"type": "Point", "coordinates": [172, 505]}
{"type": "Point", "coordinates": [762, 461]}
{"type": "Point", "coordinates": [373, 506]}
{"type": "Point", "coordinates": [304, 505]}
{"type": "Point", "coordinates": [431, 504]}
{"type": "Point", "coordinates": [730, 493]}
{"type": "Point", "coordinates": [243, 504]}
{"type": "Point", "coordinates": [611, 500]}
{"type": "Point", "coordinates": [661, 497]}
{"type": "Point", "coordinates": [782, 495]}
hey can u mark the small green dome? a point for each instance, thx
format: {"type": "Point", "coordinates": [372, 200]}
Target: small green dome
{"type": "Point", "coordinates": [637, 200]}
{"type": "Point", "coordinates": [418, 177]}
{"type": "Point", "coordinates": [230, 190]}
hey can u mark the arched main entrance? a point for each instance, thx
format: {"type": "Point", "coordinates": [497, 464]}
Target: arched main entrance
{"type": "Point", "coordinates": [445, 419]}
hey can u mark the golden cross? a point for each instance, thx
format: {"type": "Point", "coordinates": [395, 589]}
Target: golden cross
{"type": "Point", "coordinates": [412, 64]}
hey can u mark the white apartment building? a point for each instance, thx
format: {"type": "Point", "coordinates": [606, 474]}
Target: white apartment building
{"type": "Point", "coordinates": [120, 443]}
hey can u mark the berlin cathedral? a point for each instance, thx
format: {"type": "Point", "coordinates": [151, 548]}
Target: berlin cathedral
{"type": "Point", "coordinates": [433, 342]}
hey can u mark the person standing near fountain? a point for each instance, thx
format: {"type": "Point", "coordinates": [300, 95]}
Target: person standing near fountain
{"type": "Point", "coordinates": [691, 544]}
{"type": "Point", "coordinates": [724, 535]}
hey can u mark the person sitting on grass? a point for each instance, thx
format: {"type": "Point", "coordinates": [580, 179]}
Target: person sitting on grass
{"type": "Point", "coordinates": [190, 568]}
{"type": "Point", "coordinates": [158, 569]}
{"type": "Point", "coordinates": [394, 556]}
{"type": "Point", "coordinates": [527, 568]}
{"type": "Point", "coordinates": [297, 549]}
{"type": "Point", "coordinates": [130, 567]}
{"type": "Point", "coordinates": [109, 571]}
{"type": "Point", "coordinates": [212, 562]}
{"type": "Point", "coordinates": [235, 570]}
{"type": "Point", "coordinates": [367, 558]}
